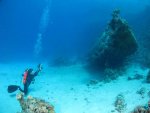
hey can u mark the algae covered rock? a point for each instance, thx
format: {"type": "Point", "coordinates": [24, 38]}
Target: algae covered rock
{"type": "Point", "coordinates": [120, 104]}
{"type": "Point", "coordinates": [115, 45]}
{"type": "Point", "coordinates": [142, 109]}
{"type": "Point", "coordinates": [34, 105]}
{"type": "Point", "coordinates": [111, 74]}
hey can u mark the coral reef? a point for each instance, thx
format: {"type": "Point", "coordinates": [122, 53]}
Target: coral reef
{"type": "Point", "coordinates": [148, 77]}
{"type": "Point", "coordinates": [34, 105]}
{"type": "Point", "coordinates": [142, 109]}
{"type": "Point", "coordinates": [111, 74]}
{"type": "Point", "coordinates": [120, 104]}
{"type": "Point", "coordinates": [141, 92]}
{"type": "Point", "coordinates": [93, 82]}
{"type": "Point", "coordinates": [115, 45]}
{"type": "Point", "coordinates": [139, 109]}
{"type": "Point", "coordinates": [136, 77]}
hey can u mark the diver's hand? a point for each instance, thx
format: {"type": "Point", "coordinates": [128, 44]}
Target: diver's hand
{"type": "Point", "coordinates": [40, 67]}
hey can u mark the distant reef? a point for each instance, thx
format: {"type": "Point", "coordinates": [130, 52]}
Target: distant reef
{"type": "Point", "coordinates": [115, 45]}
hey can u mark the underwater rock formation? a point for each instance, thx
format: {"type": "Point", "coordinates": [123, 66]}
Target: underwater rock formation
{"type": "Point", "coordinates": [34, 105]}
{"type": "Point", "coordinates": [115, 45]}
{"type": "Point", "coordinates": [142, 92]}
{"type": "Point", "coordinates": [148, 77]}
{"type": "Point", "coordinates": [120, 104]}
{"type": "Point", "coordinates": [136, 77]}
{"type": "Point", "coordinates": [111, 74]}
{"type": "Point", "coordinates": [142, 109]}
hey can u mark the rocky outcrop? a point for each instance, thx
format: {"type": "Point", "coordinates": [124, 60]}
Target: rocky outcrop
{"type": "Point", "coordinates": [115, 45]}
{"type": "Point", "coordinates": [142, 109]}
{"type": "Point", "coordinates": [148, 77]}
{"type": "Point", "coordinates": [34, 105]}
{"type": "Point", "coordinates": [120, 104]}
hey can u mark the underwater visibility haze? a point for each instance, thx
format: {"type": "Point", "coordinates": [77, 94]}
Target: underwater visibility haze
{"type": "Point", "coordinates": [75, 56]}
{"type": "Point", "coordinates": [63, 25]}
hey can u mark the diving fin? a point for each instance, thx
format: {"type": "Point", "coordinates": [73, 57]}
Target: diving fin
{"type": "Point", "coordinates": [12, 88]}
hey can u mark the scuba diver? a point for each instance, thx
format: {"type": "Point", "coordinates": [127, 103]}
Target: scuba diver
{"type": "Point", "coordinates": [28, 78]}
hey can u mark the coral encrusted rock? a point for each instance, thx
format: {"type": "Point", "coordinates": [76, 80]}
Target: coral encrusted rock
{"type": "Point", "coordinates": [120, 104]}
{"type": "Point", "coordinates": [34, 105]}
{"type": "Point", "coordinates": [148, 77]}
{"type": "Point", "coordinates": [142, 109]}
{"type": "Point", "coordinates": [115, 45]}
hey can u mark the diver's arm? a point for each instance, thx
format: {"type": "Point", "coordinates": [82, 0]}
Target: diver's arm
{"type": "Point", "coordinates": [36, 73]}
{"type": "Point", "coordinates": [38, 70]}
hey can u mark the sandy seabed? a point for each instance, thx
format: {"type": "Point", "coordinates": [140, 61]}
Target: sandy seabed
{"type": "Point", "coordinates": [66, 88]}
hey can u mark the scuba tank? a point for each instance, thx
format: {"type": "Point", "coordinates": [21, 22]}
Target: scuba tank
{"type": "Point", "coordinates": [25, 76]}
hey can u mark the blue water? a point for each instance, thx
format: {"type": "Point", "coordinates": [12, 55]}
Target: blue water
{"type": "Point", "coordinates": [42, 30]}
{"type": "Point", "coordinates": [71, 25]}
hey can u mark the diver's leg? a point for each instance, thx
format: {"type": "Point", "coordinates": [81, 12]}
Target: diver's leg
{"type": "Point", "coordinates": [26, 88]}
{"type": "Point", "coordinates": [21, 89]}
